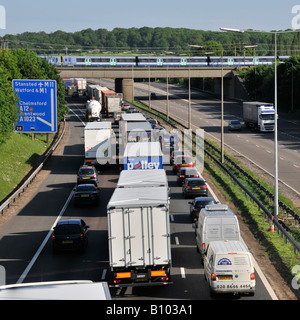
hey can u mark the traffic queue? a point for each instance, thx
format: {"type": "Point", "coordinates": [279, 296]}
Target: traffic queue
{"type": "Point", "coordinates": [138, 212]}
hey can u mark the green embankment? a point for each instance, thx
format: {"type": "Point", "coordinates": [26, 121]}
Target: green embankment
{"type": "Point", "coordinates": [18, 155]}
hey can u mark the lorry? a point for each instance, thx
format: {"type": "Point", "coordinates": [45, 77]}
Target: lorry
{"type": "Point", "coordinates": [93, 110]}
{"type": "Point", "coordinates": [80, 84]}
{"type": "Point", "coordinates": [139, 236]}
{"type": "Point", "coordinates": [259, 115]}
{"type": "Point", "coordinates": [143, 156]}
{"type": "Point", "coordinates": [91, 90]}
{"type": "Point", "coordinates": [99, 143]}
{"type": "Point", "coordinates": [216, 222]}
{"type": "Point", "coordinates": [228, 268]}
{"type": "Point", "coordinates": [142, 178]}
{"type": "Point", "coordinates": [98, 93]}
{"type": "Point", "coordinates": [56, 290]}
{"type": "Point", "coordinates": [135, 131]}
{"type": "Point", "coordinates": [113, 104]}
{"type": "Point", "coordinates": [105, 93]}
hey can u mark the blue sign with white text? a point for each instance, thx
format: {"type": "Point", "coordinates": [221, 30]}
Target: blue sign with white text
{"type": "Point", "coordinates": [38, 105]}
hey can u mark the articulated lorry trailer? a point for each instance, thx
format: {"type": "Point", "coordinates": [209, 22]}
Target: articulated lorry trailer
{"type": "Point", "coordinates": [139, 236]}
{"type": "Point", "coordinates": [99, 143]}
{"type": "Point", "coordinates": [259, 115]}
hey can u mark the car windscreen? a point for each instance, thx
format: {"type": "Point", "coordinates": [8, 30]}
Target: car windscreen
{"type": "Point", "coordinates": [67, 229]}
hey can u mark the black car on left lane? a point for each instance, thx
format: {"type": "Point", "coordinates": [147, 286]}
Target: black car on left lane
{"type": "Point", "coordinates": [70, 234]}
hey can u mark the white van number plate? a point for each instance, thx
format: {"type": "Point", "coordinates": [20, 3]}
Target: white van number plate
{"type": "Point", "coordinates": [233, 286]}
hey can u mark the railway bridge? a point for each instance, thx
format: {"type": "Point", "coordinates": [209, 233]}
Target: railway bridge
{"type": "Point", "coordinates": [124, 77]}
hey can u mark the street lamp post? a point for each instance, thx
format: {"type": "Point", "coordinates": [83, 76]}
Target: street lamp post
{"type": "Point", "coordinates": [276, 117]}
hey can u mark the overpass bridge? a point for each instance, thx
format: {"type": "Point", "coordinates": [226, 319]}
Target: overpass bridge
{"type": "Point", "coordinates": [124, 76]}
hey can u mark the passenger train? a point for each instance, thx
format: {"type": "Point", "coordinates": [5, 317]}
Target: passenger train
{"type": "Point", "coordinates": [143, 61]}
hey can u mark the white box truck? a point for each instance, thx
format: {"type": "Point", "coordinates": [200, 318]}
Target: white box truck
{"type": "Point", "coordinates": [228, 268]}
{"type": "Point", "coordinates": [80, 84]}
{"type": "Point", "coordinates": [259, 115]}
{"type": "Point", "coordinates": [216, 222]}
{"type": "Point", "coordinates": [139, 236]}
{"type": "Point", "coordinates": [56, 290]}
{"type": "Point", "coordinates": [99, 143]}
{"type": "Point", "coordinates": [142, 178]}
{"type": "Point", "coordinates": [114, 104]}
{"type": "Point", "coordinates": [143, 156]}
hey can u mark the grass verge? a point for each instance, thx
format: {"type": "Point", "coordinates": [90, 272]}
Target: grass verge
{"type": "Point", "coordinates": [18, 156]}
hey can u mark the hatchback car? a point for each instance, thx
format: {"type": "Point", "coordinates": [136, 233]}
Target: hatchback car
{"type": "Point", "coordinates": [185, 173]}
{"type": "Point", "coordinates": [70, 234]}
{"type": "Point", "coordinates": [234, 125]}
{"type": "Point", "coordinates": [182, 161]}
{"type": "Point", "coordinates": [198, 204]}
{"type": "Point", "coordinates": [86, 193]}
{"type": "Point", "coordinates": [87, 174]}
{"type": "Point", "coordinates": [194, 187]}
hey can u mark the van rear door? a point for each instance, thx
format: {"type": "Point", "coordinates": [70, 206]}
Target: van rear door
{"type": "Point", "coordinates": [233, 267]}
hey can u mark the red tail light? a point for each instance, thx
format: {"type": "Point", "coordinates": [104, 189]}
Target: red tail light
{"type": "Point", "coordinates": [252, 276]}
{"type": "Point", "coordinates": [204, 187]}
{"type": "Point", "coordinates": [196, 176]}
{"type": "Point", "coordinates": [213, 277]}
{"type": "Point", "coordinates": [181, 176]}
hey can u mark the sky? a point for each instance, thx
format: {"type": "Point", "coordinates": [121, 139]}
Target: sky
{"type": "Point", "coordinates": [18, 16]}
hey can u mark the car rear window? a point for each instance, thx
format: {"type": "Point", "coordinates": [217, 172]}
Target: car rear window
{"type": "Point", "coordinates": [86, 171]}
{"type": "Point", "coordinates": [67, 229]}
{"type": "Point", "coordinates": [83, 187]}
{"type": "Point", "coordinates": [193, 183]}
{"type": "Point", "coordinates": [202, 204]}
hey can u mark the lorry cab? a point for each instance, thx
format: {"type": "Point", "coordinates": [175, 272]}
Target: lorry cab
{"type": "Point", "coordinates": [216, 222]}
{"type": "Point", "coordinates": [228, 268]}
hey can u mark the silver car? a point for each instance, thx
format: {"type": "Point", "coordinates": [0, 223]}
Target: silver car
{"type": "Point", "coordinates": [234, 125]}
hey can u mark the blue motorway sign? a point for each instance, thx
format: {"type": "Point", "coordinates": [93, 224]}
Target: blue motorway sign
{"type": "Point", "coordinates": [38, 105]}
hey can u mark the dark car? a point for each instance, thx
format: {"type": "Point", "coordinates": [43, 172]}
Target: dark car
{"type": "Point", "coordinates": [87, 174]}
{"type": "Point", "coordinates": [70, 234]}
{"type": "Point", "coordinates": [194, 187]}
{"type": "Point", "coordinates": [181, 162]}
{"type": "Point", "coordinates": [86, 193]}
{"type": "Point", "coordinates": [185, 173]}
{"type": "Point", "coordinates": [198, 204]}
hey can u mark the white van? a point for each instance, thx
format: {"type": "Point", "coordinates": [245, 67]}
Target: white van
{"type": "Point", "coordinates": [228, 268]}
{"type": "Point", "coordinates": [216, 222]}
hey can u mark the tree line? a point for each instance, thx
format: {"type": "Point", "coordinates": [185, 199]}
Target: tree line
{"type": "Point", "coordinates": [23, 64]}
{"type": "Point", "coordinates": [152, 40]}
{"type": "Point", "coordinates": [259, 82]}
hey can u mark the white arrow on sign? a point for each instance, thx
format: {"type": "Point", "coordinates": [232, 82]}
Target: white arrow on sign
{"type": "Point", "coordinates": [51, 124]}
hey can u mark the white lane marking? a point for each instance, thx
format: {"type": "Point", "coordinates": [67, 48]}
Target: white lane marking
{"type": "Point", "coordinates": [182, 273]}
{"type": "Point", "coordinates": [26, 271]}
{"type": "Point", "coordinates": [177, 240]}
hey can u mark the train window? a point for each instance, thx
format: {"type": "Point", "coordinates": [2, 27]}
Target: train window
{"type": "Point", "coordinates": [80, 60]}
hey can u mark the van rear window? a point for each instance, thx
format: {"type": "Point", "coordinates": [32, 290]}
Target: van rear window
{"type": "Point", "coordinates": [232, 260]}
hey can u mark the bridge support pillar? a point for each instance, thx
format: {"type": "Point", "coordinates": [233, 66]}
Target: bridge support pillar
{"type": "Point", "coordinates": [233, 87]}
{"type": "Point", "coordinates": [126, 86]}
